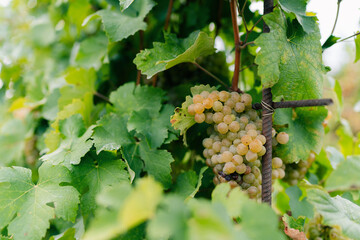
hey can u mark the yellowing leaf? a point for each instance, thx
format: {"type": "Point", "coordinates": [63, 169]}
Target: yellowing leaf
{"type": "Point", "coordinates": [141, 203]}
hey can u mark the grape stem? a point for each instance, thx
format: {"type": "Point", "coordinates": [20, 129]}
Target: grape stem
{"type": "Point", "coordinates": [99, 95]}
{"type": "Point", "coordinates": [141, 47]}
{"type": "Point", "coordinates": [341, 40]}
{"type": "Point", "coordinates": [210, 74]}
{"type": "Point", "coordinates": [337, 15]}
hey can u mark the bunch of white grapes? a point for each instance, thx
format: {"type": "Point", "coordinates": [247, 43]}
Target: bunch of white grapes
{"type": "Point", "coordinates": [295, 172]}
{"type": "Point", "coordinates": [235, 145]}
{"type": "Point", "coordinates": [317, 230]}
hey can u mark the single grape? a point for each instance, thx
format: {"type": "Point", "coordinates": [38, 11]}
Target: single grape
{"type": "Point", "coordinates": [199, 118]}
{"type": "Point", "coordinates": [217, 106]}
{"type": "Point", "coordinates": [274, 174]}
{"type": "Point", "coordinates": [242, 149]}
{"type": "Point", "coordinates": [223, 96]}
{"type": "Point", "coordinates": [250, 126]}
{"type": "Point", "coordinates": [234, 126]}
{"type": "Point", "coordinates": [228, 119]}
{"type": "Point", "coordinates": [262, 152]}
{"type": "Point", "coordinates": [198, 98]}
{"type": "Point", "coordinates": [277, 162]}
{"type": "Point", "coordinates": [207, 142]}
{"type": "Point", "coordinates": [209, 118]}
{"type": "Point", "coordinates": [252, 133]}
{"type": "Point", "coordinates": [230, 103]}
{"type": "Point", "coordinates": [246, 99]}
{"type": "Point", "coordinates": [262, 138]}
{"type": "Point", "coordinates": [282, 137]}
{"type": "Point", "coordinates": [239, 107]}
{"type": "Point", "coordinates": [236, 142]}
{"type": "Point", "coordinates": [208, 103]}
{"type": "Point", "coordinates": [226, 156]}
{"type": "Point", "coordinates": [229, 168]}
{"type": "Point", "coordinates": [246, 140]}
{"type": "Point", "coordinates": [214, 96]}
{"type": "Point", "coordinates": [226, 110]}
{"type": "Point", "coordinates": [216, 146]}
{"type": "Point", "coordinates": [204, 94]}
{"type": "Point", "coordinates": [249, 178]}
{"type": "Point", "coordinates": [255, 145]}
{"type": "Point", "coordinates": [251, 156]}
{"type": "Point", "coordinates": [244, 119]}
{"type": "Point", "coordinates": [191, 109]}
{"type": "Point", "coordinates": [235, 96]}
{"type": "Point", "coordinates": [237, 159]}
{"type": "Point", "coordinates": [222, 128]}
{"type": "Point", "coordinates": [240, 169]}
{"type": "Point", "coordinates": [218, 117]}
{"type": "Point", "coordinates": [226, 142]}
{"type": "Point", "coordinates": [232, 149]}
{"type": "Point", "coordinates": [199, 108]}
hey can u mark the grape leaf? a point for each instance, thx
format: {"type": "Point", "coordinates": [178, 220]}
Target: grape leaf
{"type": "Point", "coordinates": [331, 40]}
{"type": "Point", "coordinates": [336, 211]}
{"type": "Point", "coordinates": [299, 9]}
{"type": "Point", "coordinates": [266, 219]}
{"type": "Point", "coordinates": [77, 12]}
{"type": "Point", "coordinates": [200, 88]}
{"type": "Point", "coordinates": [111, 133]}
{"type": "Point", "coordinates": [124, 4]}
{"type": "Point", "coordinates": [34, 205]}
{"type": "Point", "coordinates": [357, 47]}
{"type": "Point", "coordinates": [299, 207]}
{"type": "Point", "coordinates": [80, 81]}
{"type": "Point", "coordinates": [153, 125]}
{"type": "Point", "coordinates": [94, 173]}
{"type": "Point", "coordinates": [290, 60]}
{"type": "Point", "coordinates": [182, 120]}
{"type": "Point", "coordinates": [346, 176]}
{"type": "Point", "coordinates": [157, 163]}
{"type": "Point", "coordinates": [295, 223]}
{"type": "Point", "coordinates": [170, 221]}
{"type": "Point", "coordinates": [304, 129]}
{"type": "Point", "coordinates": [174, 51]}
{"type": "Point", "coordinates": [122, 208]}
{"type": "Point", "coordinates": [129, 98]}
{"type": "Point", "coordinates": [74, 143]}
{"type": "Point", "coordinates": [12, 142]}
{"type": "Point", "coordinates": [188, 183]}
{"type": "Point", "coordinates": [91, 51]}
{"type": "Point", "coordinates": [120, 25]}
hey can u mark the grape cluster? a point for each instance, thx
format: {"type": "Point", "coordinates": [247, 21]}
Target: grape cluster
{"type": "Point", "coordinates": [316, 230]}
{"type": "Point", "coordinates": [235, 145]}
{"type": "Point", "coordinates": [295, 172]}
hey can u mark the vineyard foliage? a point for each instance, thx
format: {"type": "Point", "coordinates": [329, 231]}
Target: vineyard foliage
{"type": "Point", "coordinates": [87, 148]}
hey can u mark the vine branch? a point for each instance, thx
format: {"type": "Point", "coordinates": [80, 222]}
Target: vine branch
{"type": "Point", "coordinates": [235, 79]}
{"type": "Point", "coordinates": [337, 15]}
{"type": "Point", "coordinates": [99, 95]}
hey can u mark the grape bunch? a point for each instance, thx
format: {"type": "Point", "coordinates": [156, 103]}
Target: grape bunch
{"type": "Point", "coordinates": [295, 172]}
{"type": "Point", "coordinates": [235, 144]}
{"type": "Point", "coordinates": [316, 230]}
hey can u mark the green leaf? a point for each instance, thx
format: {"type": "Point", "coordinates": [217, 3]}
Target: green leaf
{"type": "Point", "coordinates": [336, 211]}
{"type": "Point", "coordinates": [182, 120]}
{"type": "Point", "coordinates": [96, 172]}
{"type": "Point", "coordinates": [188, 183]}
{"type": "Point", "coordinates": [329, 42]}
{"type": "Point", "coordinates": [299, 207]}
{"type": "Point", "coordinates": [123, 208]}
{"type": "Point", "coordinates": [290, 63]}
{"type": "Point", "coordinates": [299, 9]}
{"type": "Point", "coordinates": [129, 98]}
{"type": "Point", "coordinates": [157, 163]}
{"type": "Point", "coordinates": [111, 133]}
{"type": "Point", "coordinates": [120, 25]}
{"type": "Point", "coordinates": [294, 223]}
{"type": "Point", "coordinates": [345, 135]}
{"type": "Point", "coordinates": [12, 142]}
{"type": "Point", "coordinates": [124, 4]}
{"type": "Point", "coordinates": [25, 205]}
{"type": "Point", "coordinates": [174, 51]}
{"type": "Point", "coordinates": [74, 144]}
{"type": "Point", "coordinates": [357, 47]}
{"type": "Point", "coordinates": [91, 51]}
{"type": "Point", "coordinates": [170, 221]}
{"type": "Point", "coordinates": [153, 125]}
{"type": "Point", "coordinates": [346, 176]}
{"type": "Point", "coordinates": [266, 219]}
{"type": "Point", "coordinates": [200, 88]}
{"type": "Point", "coordinates": [304, 128]}
{"type": "Point", "coordinates": [335, 156]}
